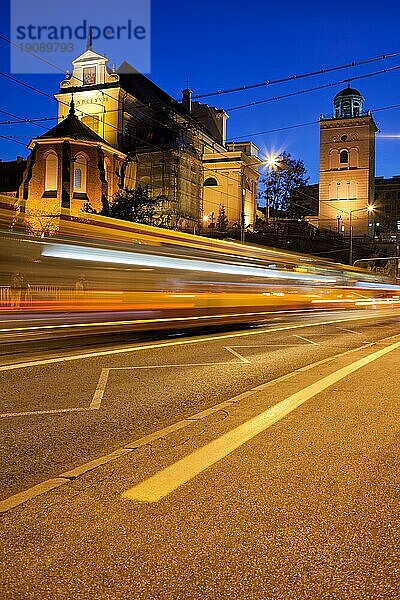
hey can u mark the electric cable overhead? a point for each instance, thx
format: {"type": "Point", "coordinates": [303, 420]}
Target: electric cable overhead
{"type": "Point", "coordinates": [356, 63]}
{"type": "Point", "coordinates": [313, 89]}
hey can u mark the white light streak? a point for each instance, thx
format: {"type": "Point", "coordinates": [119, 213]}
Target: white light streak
{"type": "Point", "coordinates": [102, 255]}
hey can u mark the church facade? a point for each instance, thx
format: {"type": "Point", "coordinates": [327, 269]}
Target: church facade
{"type": "Point", "coordinates": [117, 129]}
{"type": "Point", "coordinates": [347, 165]}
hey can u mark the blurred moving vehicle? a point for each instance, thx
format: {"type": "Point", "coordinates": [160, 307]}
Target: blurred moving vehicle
{"type": "Point", "coordinates": [101, 274]}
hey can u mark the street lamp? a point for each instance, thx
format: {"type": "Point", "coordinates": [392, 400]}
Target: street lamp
{"type": "Point", "coordinates": [271, 162]}
{"type": "Point", "coordinates": [339, 218]}
{"type": "Point", "coordinates": [369, 208]}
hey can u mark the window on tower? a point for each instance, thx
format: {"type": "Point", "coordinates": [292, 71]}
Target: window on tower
{"type": "Point", "coordinates": [344, 157]}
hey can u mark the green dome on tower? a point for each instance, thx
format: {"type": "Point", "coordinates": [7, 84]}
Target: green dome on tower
{"type": "Point", "coordinates": [348, 103]}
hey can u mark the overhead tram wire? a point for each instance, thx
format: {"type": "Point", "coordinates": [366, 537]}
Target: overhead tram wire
{"type": "Point", "coordinates": [293, 77]}
{"type": "Point", "coordinates": [21, 120]}
{"type": "Point", "coordinates": [297, 125]}
{"type": "Point", "coordinates": [237, 137]}
{"type": "Point", "coordinates": [352, 64]}
{"type": "Point", "coordinates": [32, 88]}
{"type": "Point", "coordinates": [313, 89]}
{"type": "Point", "coordinates": [220, 173]}
{"type": "Point", "coordinates": [7, 137]}
{"type": "Point", "coordinates": [159, 148]}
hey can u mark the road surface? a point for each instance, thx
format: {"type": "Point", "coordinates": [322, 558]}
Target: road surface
{"type": "Point", "coordinates": [261, 463]}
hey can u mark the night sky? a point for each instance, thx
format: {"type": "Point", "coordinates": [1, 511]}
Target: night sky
{"type": "Point", "coordinates": [219, 45]}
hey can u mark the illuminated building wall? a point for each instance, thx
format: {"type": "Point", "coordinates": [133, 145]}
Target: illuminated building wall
{"type": "Point", "coordinates": [228, 177]}
{"type": "Point", "coordinates": [347, 164]}
{"type": "Point", "coordinates": [168, 142]}
{"type": "Point", "coordinates": [68, 167]}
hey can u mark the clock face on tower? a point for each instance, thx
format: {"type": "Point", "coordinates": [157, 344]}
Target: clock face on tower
{"type": "Point", "coordinates": [89, 75]}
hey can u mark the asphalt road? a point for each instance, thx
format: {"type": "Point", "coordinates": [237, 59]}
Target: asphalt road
{"type": "Point", "coordinates": [261, 463]}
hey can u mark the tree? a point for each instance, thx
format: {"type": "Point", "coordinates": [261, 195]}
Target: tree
{"type": "Point", "coordinates": [222, 220]}
{"type": "Point", "coordinates": [132, 205]}
{"type": "Point", "coordinates": [285, 176]}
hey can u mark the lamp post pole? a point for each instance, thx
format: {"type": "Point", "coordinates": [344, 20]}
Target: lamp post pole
{"type": "Point", "coordinates": [369, 208]}
{"type": "Point", "coordinates": [351, 240]}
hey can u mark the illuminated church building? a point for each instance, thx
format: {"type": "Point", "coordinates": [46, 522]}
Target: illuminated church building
{"type": "Point", "coordinates": [347, 164]}
{"type": "Point", "coordinates": [117, 129]}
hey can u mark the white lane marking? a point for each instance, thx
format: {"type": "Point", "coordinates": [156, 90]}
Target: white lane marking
{"type": "Point", "coordinates": [101, 386]}
{"type": "Point", "coordinates": [72, 357]}
{"type": "Point", "coordinates": [171, 478]}
{"type": "Point", "coordinates": [349, 330]}
{"type": "Point", "coordinates": [242, 358]}
{"type": "Point", "coordinates": [99, 392]}
{"type": "Point", "coordinates": [53, 411]}
{"type": "Point", "coordinates": [213, 364]}
{"type": "Point", "coordinates": [163, 433]}
{"type": "Point", "coordinates": [300, 337]}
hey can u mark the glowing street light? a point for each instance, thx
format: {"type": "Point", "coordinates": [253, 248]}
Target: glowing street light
{"type": "Point", "coordinates": [272, 161]}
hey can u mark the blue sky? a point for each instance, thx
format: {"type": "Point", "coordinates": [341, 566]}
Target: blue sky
{"type": "Point", "coordinates": [218, 45]}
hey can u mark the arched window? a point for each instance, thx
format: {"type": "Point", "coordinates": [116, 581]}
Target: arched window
{"type": "Point", "coordinates": [344, 157]}
{"type": "Point", "coordinates": [77, 178]}
{"type": "Point", "coordinates": [51, 175]}
{"type": "Point", "coordinates": [334, 159]}
{"type": "Point", "coordinates": [210, 181]}
{"type": "Point", "coordinates": [353, 157]}
{"type": "Point", "coordinates": [333, 190]}
{"type": "Point", "coordinates": [80, 174]}
{"type": "Point", "coordinates": [353, 193]}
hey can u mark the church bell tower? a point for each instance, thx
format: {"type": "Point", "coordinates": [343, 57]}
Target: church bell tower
{"type": "Point", "coordinates": [347, 165]}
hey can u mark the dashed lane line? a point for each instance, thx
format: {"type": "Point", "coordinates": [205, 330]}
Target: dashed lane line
{"type": "Point", "coordinates": [27, 495]}
{"type": "Point", "coordinates": [300, 337]}
{"type": "Point", "coordinates": [242, 358]}
{"type": "Point", "coordinates": [99, 392]}
{"type": "Point", "coordinates": [349, 330]}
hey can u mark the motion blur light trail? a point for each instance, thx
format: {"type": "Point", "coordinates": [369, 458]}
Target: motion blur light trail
{"type": "Point", "coordinates": [103, 275]}
{"type": "Point", "coordinates": [125, 258]}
